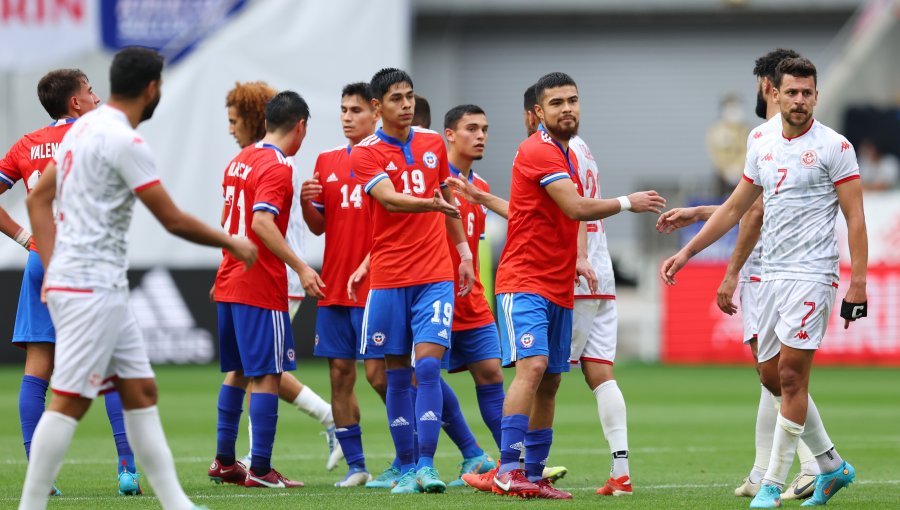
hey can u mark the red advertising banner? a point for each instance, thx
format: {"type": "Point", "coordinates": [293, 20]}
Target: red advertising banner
{"type": "Point", "coordinates": [694, 330]}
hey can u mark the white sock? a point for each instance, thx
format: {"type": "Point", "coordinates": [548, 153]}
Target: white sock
{"type": "Point", "coordinates": [808, 463]}
{"type": "Point", "coordinates": [145, 433]}
{"type": "Point", "coordinates": [819, 443]}
{"type": "Point", "coordinates": [51, 440]}
{"type": "Point", "coordinates": [613, 420]}
{"type": "Point", "coordinates": [765, 433]}
{"type": "Point", "coordinates": [784, 445]}
{"type": "Point", "coordinates": [312, 404]}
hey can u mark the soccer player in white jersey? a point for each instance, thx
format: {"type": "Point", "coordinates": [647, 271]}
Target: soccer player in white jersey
{"type": "Point", "coordinates": [246, 104]}
{"type": "Point", "coordinates": [804, 173]}
{"type": "Point", "coordinates": [103, 164]}
{"type": "Point", "coordinates": [745, 267]}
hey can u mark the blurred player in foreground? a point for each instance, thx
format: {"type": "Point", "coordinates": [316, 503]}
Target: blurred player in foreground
{"type": "Point", "coordinates": [744, 267]}
{"type": "Point", "coordinates": [334, 204]}
{"type": "Point", "coordinates": [246, 104]}
{"type": "Point", "coordinates": [804, 172]}
{"type": "Point", "coordinates": [103, 164]}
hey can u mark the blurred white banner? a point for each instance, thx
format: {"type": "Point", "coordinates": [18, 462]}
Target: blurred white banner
{"type": "Point", "coordinates": [38, 34]}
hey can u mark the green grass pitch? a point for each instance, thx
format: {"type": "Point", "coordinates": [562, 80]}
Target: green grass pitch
{"type": "Point", "coordinates": [690, 432]}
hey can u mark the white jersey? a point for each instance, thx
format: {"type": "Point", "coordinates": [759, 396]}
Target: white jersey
{"type": "Point", "coordinates": [101, 163]}
{"type": "Point", "coordinates": [597, 251]}
{"type": "Point", "coordinates": [752, 268]}
{"type": "Point", "coordinates": [295, 236]}
{"type": "Point", "coordinates": [798, 176]}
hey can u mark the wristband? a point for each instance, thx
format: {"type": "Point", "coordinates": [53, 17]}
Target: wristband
{"type": "Point", "coordinates": [853, 311]}
{"type": "Point", "coordinates": [624, 203]}
{"type": "Point", "coordinates": [23, 237]}
{"type": "Point", "coordinates": [464, 252]}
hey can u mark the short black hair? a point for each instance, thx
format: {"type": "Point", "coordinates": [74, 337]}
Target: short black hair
{"type": "Point", "coordinates": [55, 89]}
{"type": "Point", "coordinates": [422, 113]}
{"type": "Point", "coordinates": [551, 81]}
{"type": "Point", "coordinates": [132, 69]}
{"type": "Point", "coordinates": [799, 67]}
{"type": "Point", "coordinates": [359, 88]}
{"type": "Point", "coordinates": [530, 98]}
{"type": "Point", "coordinates": [285, 110]}
{"type": "Point", "coordinates": [764, 67]}
{"type": "Point", "coordinates": [386, 77]}
{"type": "Point", "coordinates": [452, 117]}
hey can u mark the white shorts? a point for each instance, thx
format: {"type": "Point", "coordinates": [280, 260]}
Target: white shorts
{"type": "Point", "coordinates": [97, 341]}
{"type": "Point", "coordinates": [794, 313]}
{"type": "Point", "coordinates": [594, 328]}
{"type": "Point", "coordinates": [749, 296]}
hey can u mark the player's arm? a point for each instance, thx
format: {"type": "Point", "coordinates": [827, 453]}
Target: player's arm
{"type": "Point", "coordinates": [679, 217]}
{"type": "Point", "coordinates": [583, 267]}
{"type": "Point", "coordinates": [10, 227]}
{"type": "Point", "coordinates": [851, 201]}
{"type": "Point", "coordinates": [40, 213]}
{"type": "Point", "coordinates": [723, 220]}
{"type": "Point", "coordinates": [357, 277]}
{"type": "Point", "coordinates": [476, 195]}
{"type": "Point", "coordinates": [264, 227]}
{"type": "Point", "coordinates": [313, 213]}
{"type": "Point", "coordinates": [390, 199]}
{"type": "Point", "coordinates": [188, 227]}
{"type": "Point", "coordinates": [579, 208]}
{"type": "Point", "coordinates": [748, 236]}
{"type": "Point", "coordinates": [458, 237]}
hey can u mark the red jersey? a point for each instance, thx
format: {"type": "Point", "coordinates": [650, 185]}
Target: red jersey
{"type": "Point", "coordinates": [470, 311]}
{"type": "Point", "coordinates": [348, 227]}
{"type": "Point", "coordinates": [257, 179]}
{"type": "Point", "coordinates": [28, 158]}
{"type": "Point", "coordinates": [407, 248]}
{"type": "Point", "coordinates": [541, 241]}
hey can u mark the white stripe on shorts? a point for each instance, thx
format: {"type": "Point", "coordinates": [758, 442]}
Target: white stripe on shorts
{"type": "Point", "coordinates": [510, 330]}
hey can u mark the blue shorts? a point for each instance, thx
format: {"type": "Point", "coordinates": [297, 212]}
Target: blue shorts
{"type": "Point", "coordinates": [397, 319]}
{"type": "Point", "coordinates": [339, 333]}
{"type": "Point", "coordinates": [256, 340]}
{"type": "Point", "coordinates": [531, 325]}
{"type": "Point", "coordinates": [472, 345]}
{"type": "Point", "coordinates": [33, 323]}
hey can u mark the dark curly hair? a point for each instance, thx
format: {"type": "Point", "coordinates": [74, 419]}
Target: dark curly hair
{"type": "Point", "coordinates": [249, 99]}
{"type": "Point", "coordinates": [764, 67]}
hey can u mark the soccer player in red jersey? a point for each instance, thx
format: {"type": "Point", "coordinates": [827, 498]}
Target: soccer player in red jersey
{"type": "Point", "coordinates": [246, 104]}
{"type": "Point", "coordinates": [410, 304]}
{"type": "Point", "coordinates": [66, 94]}
{"type": "Point", "coordinates": [255, 340]}
{"type": "Point", "coordinates": [534, 281]}
{"type": "Point", "coordinates": [334, 204]}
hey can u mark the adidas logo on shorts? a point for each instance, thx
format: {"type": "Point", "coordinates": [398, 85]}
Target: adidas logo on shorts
{"type": "Point", "coordinates": [399, 422]}
{"type": "Point", "coordinates": [429, 416]}
{"type": "Point", "coordinates": [443, 334]}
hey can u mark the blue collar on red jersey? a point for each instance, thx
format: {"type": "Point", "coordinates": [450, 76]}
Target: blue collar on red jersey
{"type": "Point", "coordinates": [564, 151]}
{"type": "Point", "coordinates": [263, 145]}
{"type": "Point", "coordinates": [62, 122]}
{"type": "Point", "coordinates": [406, 147]}
{"type": "Point", "coordinates": [455, 172]}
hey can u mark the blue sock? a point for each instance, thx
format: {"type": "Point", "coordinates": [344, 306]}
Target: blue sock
{"type": "Point", "coordinates": [400, 415]}
{"type": "Point", "coordinates": [537, 450]}
{"type": "Point", "coordinates": [264, 415]}
{"type": "Point", "coordinates": [350, 438]}
{"type": "Point", "coordinates": [429, 405]}
{"type": "Point", "coordinates": [455, 425]}
{"type": "Point", "coordinates": [32, 398]}
{"type": "Point", "coordinates": [231, 400]}
{"type": "Point", "coordinates": [413, 392]}
{"type": "Point", "coordinates": [514, 427]}
{"type": "Point", "coordinates": [396, 464]}
{"type": "Point", "coordinates": [117, 421]}
{"type": "Point", "coordinates": [490, 403]}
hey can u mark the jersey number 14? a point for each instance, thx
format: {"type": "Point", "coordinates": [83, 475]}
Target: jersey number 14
{"type": "Point", "coordinates": [235, 213]}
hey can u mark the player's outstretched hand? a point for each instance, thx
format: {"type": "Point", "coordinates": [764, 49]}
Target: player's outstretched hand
{"type": "Point", "coordinates": [646, 201]}
{"type": "Point", "coordinates": [671, 266]}
{"type": "Point", "coordinates": [310, 188]}
{"type": "Point", "coordinates": [676, 218]}
{"type": "Point", "coordinates": [355, 279]}
{"type": "Point", "coordinates": [466, 277]}
{"type": "Point", "coordinates": [725, 295]}
{"type": "Point", "coordinates": [584, 269]}
{"type": "Point", "coordinates": [312, 283]}
{"type": "Point", "coordinates": [441, 205]}
{"type": "Point", "coordinates": [468, 190]}
{"type": "Point", "coordinates": [243, 250]}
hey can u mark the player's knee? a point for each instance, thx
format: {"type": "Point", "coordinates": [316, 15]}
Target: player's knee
{"type": "Point", "coordinates": [428, 370]}
{"type": "Point", "coordinates": [377, 381]}
{"type": "Point", "coordinates": [343, 376]}
{"type": "Point", "coordinates": [791, 380]}
{"type": "Point", "coordinates": [769, 378]}
{"type": "Point", "coordinates": [549, 385]}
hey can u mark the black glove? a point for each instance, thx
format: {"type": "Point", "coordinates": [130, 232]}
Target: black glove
{"type": "Point", "coordinates": [853, 311]}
